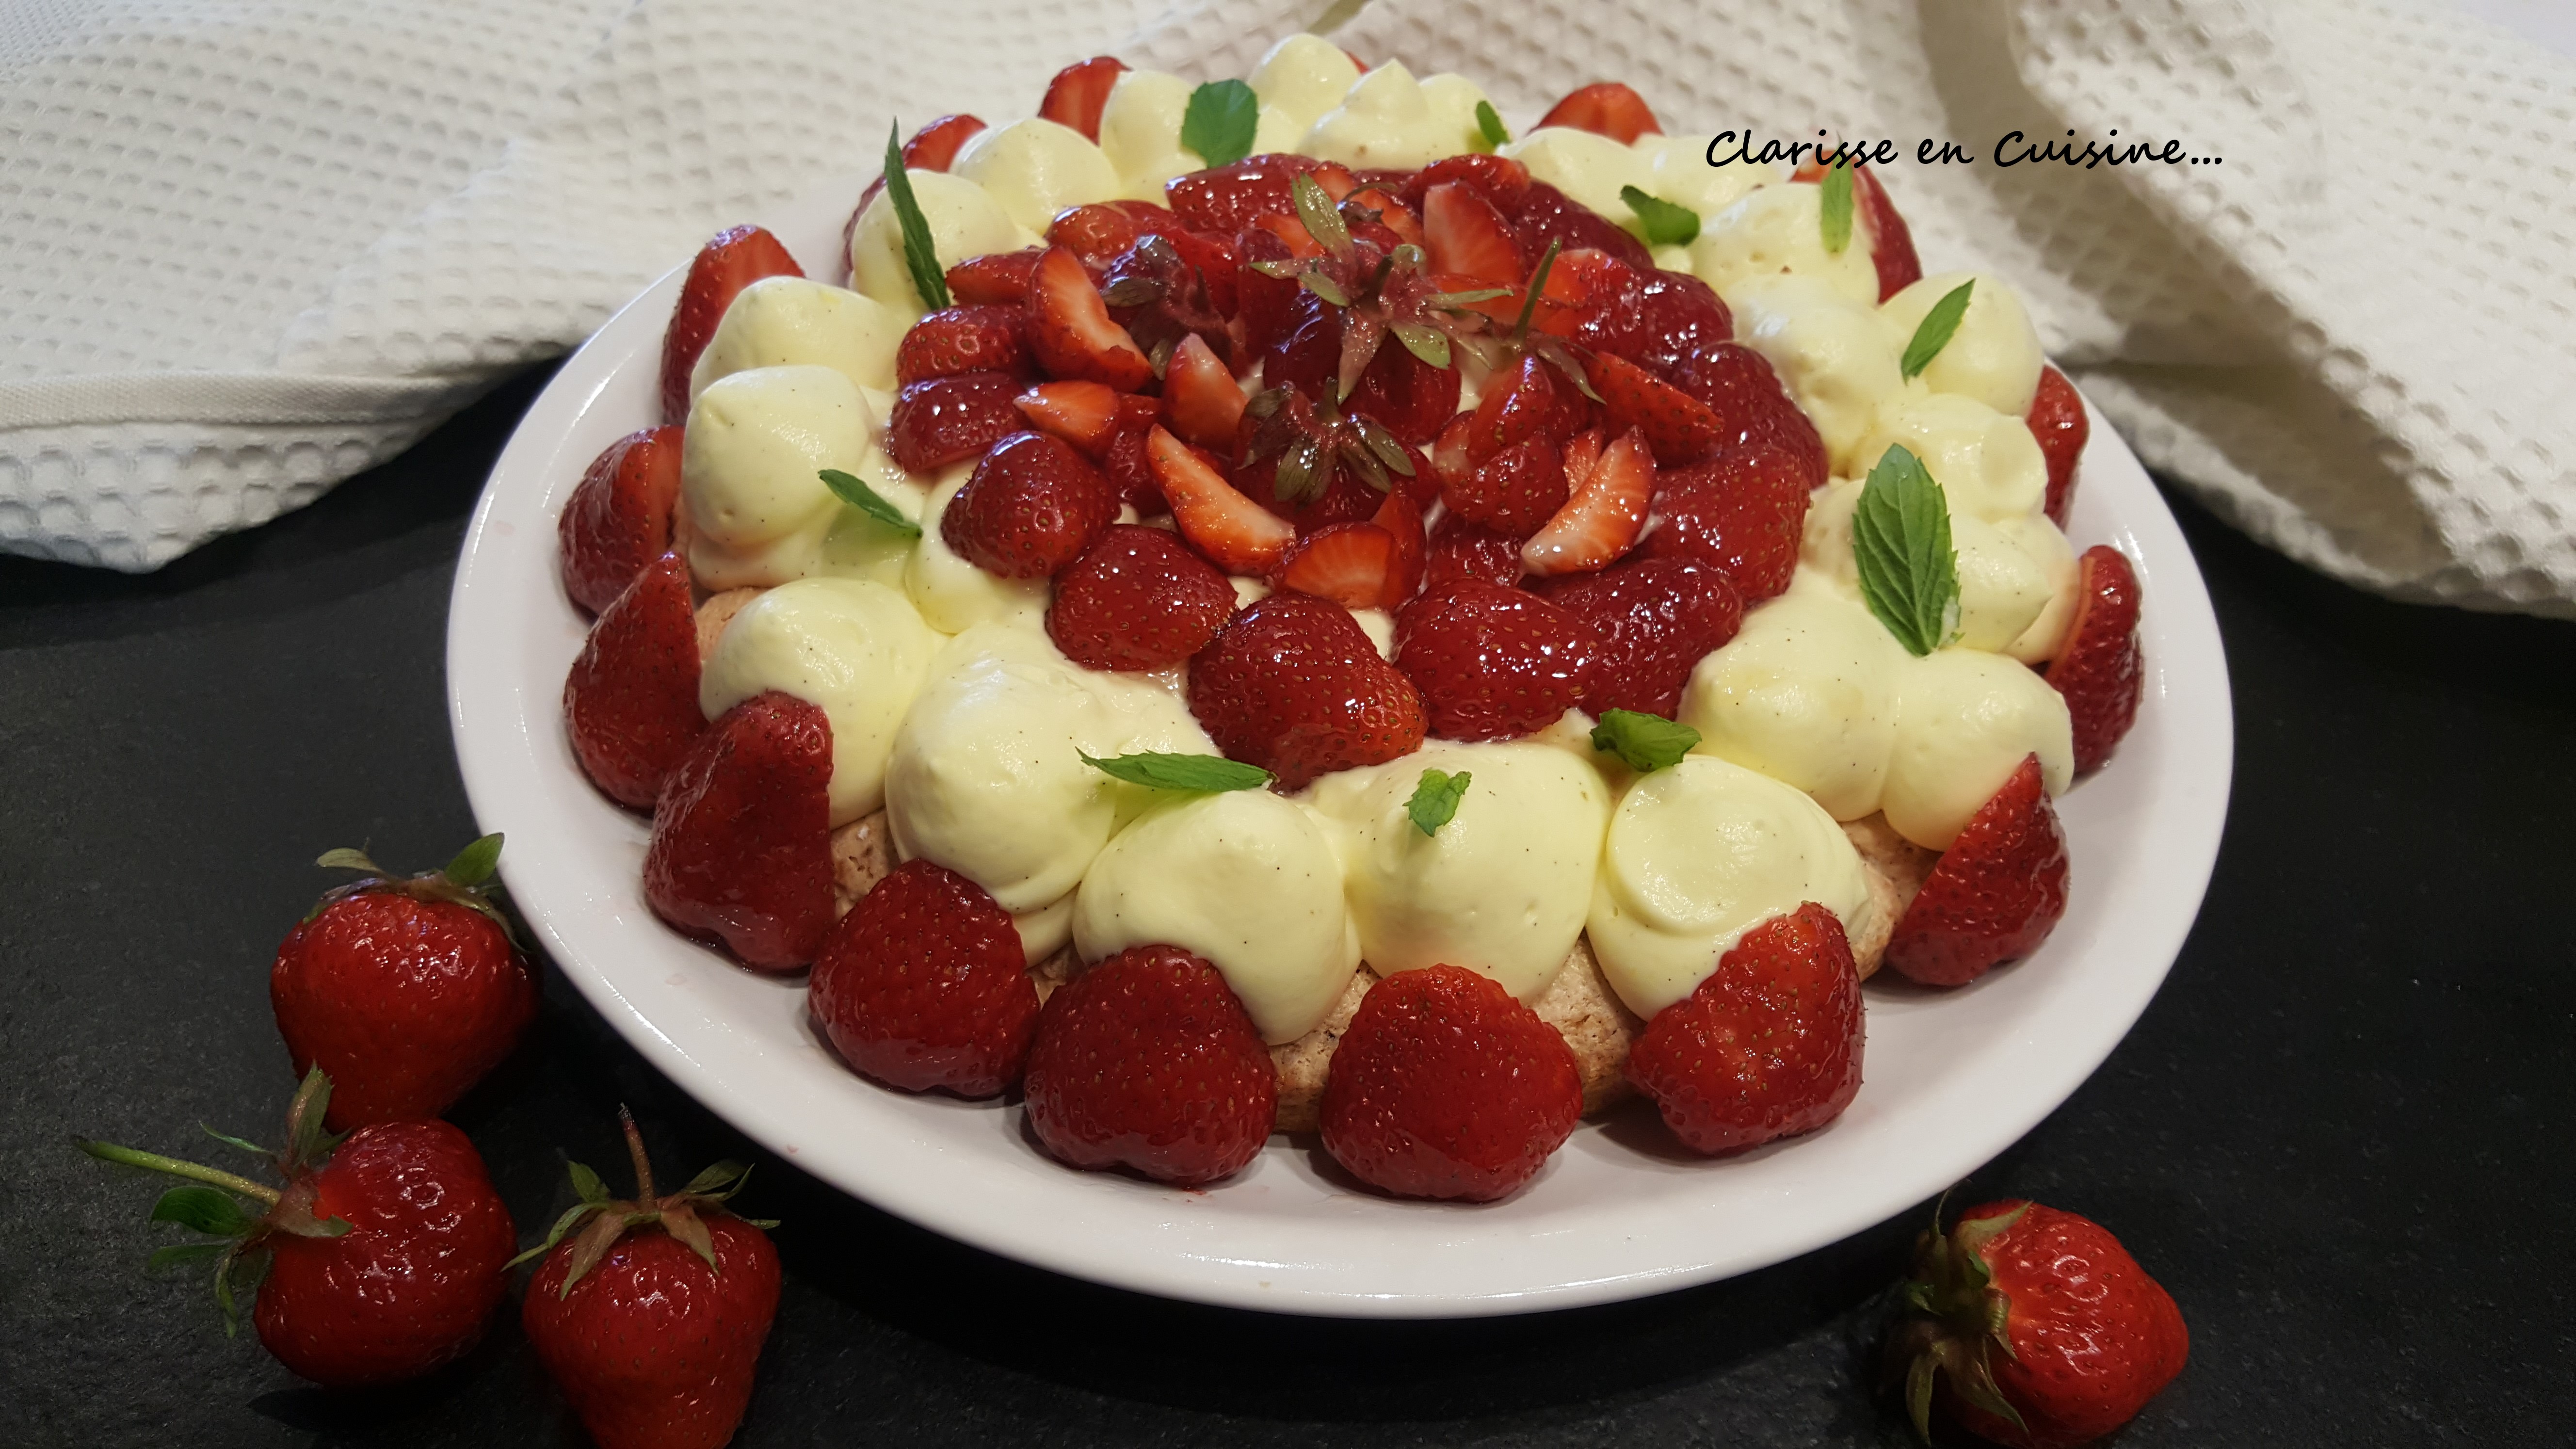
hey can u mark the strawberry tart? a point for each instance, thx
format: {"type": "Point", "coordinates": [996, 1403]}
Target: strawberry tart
{"type": "Point", "coordinates": [1279, 605]}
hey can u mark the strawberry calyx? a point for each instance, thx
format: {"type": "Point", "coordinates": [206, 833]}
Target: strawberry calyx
{"type": "Point", "coordinates": [1310, 437]}
{"type": "Point", "coordinates": [1957, 1319]}
{"type": "Point", "coordinates": [602, 1220]}
{"type": "Point", "coordinates": [1381, 293]}
{"type": "Point", "coordinates": [468, 881]}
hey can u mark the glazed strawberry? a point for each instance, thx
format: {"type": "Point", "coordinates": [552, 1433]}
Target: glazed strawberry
{"type": "Point", "coordinates": [1402, 519]}
{"type": "Point", "coordinates": [1070, 331]}
{"type": "Point", "coordinates": [1737, 384]}
{"type": "Point", "coordinates": [997, 279]}
{"type": "Point", "coordinates": [1201, 403]}
{"type": "Point", "coordinates": [741, 846]}
{"type": "Point", "coordinates": [1463, 550]}
{"type": "Point", "coordinates": [1307, 352]}
{"type": "Point", "coordinates": [1292, 684]}
{"type": "Point", "coordinates": [2100, 671]}
{"type": "Point", "coordinates": [1079, 91]}
{"type": "Point", "coordinates": [2034, 1328]}
{"type": "Point", "coordinates": [1546, 214]}
{"type": "Point", "coordinates": [618, 519]}
{"type": "Point", "coordinates": [1602, 519]}
{"type": "Point", "coordinates": [1399, 220]}
{"type": "Point", "coordinates": [2058, 420]}
{"type": "Point", "coordinates": [1445, 1087]}
{"type": "Point", "coordinates": [1652, 621]}
{"type": "Point", "coordinates": [1413, 399]}
{"type": "Point", "coordinates": [1768, 1046]}
{"type": "Point", "coordinates": [1493, 662]}
{"type": "Point", "coordinates": [1994, 895]}
{"type": "Point", "coordinates": [1514, 491]}
{"type": "Point", "coordinates": [406, 990]}
{"type": "Point", "coordinates": [385, 1255]}
{"type": "Point", "coordinates": [1168, 286]}
{"type": "Point", "coordinates": [955, 340]}
{"type": "Point", "coordinates": [734, 259]}
{"type": "Point", "coordinates": [1031, 507]}
{"type": "Point", "coordinates": [1147, 1061]}
{"type": "Point", "coordinates": [934, 147]}
{"type": "Point", "coordinates": [1139, 599]}
{"type": "Point", "coordinates": [1263, 302]}
{"type": "Point", "coordinates": [1098, 232]}
{"type": "Point", "coordinates": [1658, 320]}
{"type": "Point", "coordinates": [1449, 461]}
{"type": "Point", "coordinates": [1875, 218]}
{"type": "Point", "coordinates": [1465, 234]}
{"type": "Point", "coordinates": [1085, 414]}
{"type": "Point", "coordinates": [1499, 179]}
{"type": "Point", "coordinates": [1351, 564]}
{"type": "Point", "coordinates": [1678, 427]}
{"type": "Point", "coordinates": [631, 700]}
{"type": "Point", "coordinates": [1227, 199]}
{"type": "Point", "coordinates": [649, 1313]}
{"type": "Point", "coordinates": [1131, 473]}
{"type": "Point", "coordinates": [1744, 510]}
{"type": "Point", "coordinates": [1605, 108]}
{"type": "Point", "coordinates": [1533, 401]}
{"type": "Point", "coordinates": [923, 985]}
{"type": "Point", "coordinates": [1239, 535]}
{"type": "Point", "coordinates": [951, 419]}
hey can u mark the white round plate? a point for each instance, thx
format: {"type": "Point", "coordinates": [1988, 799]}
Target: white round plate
{"type": "Point", "coordinates": [1953, 1078]}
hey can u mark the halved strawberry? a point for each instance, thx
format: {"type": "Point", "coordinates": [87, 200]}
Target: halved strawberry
{"type": "Point", "coordinates": [1240, 535]}
{"type": "Point", "coordinates": [1658, 320]}
{"type": "Point", "coordinates": [1768, 1045]}
{"type": "Point", "coordinates": [1084, 414]}
{"type": "Point", "coordinates": [999, 278]}
{"type": "Point", "coordinates": [1070, 330]}
{"type": "Point", "coordinates": [1679, 428]}
{"type": "Point", "coordinates": [951, 419]}
{"type": "Point", "coordinates": [741, 846]}
{"type": "Point", "coordinates": [1139, 599]}
{"type": "Point", "coordinates": [1753, 410]}
{"type": "Point", "coordinates": [1098, 232]}
{"type": "Point", "coordinates": [1499, 179]}
{"type": "Point", "coordinates": [1605, 108]}
{"type": "Point", "coordinates": [1891, 242]}
{"type": "Point", "coordinates": [732, 260]}
{"type": "Point", "coordinates": [1293, 685]}
{"type": "Point", "coordinates": [1030, 509]}
{"type": "Point", "coordinates": [1995, 894]}
{"type": "Point", "coordinates": [1392, 214]}
{"type": "Point", "coordinates": [934, 147]}
{"type": "Point", "coordinates": [1493, 662]}
{"type": "Point", "coordinates": [631, 700]}
{"type": "Point", "coordinates": [1465, 234]}
{"type": "Point", "coordinates": [1079, 91]}
{"type": "Point", "coordinates": [963, 339]}
{"type": "Point", "coordinates": [1348, 563]}
{"type": "Point", "coordinates": [1603, 518]}
{"type": "Point", "coordinates": [923, 986]}
{"type": "Point", "coordinates": [2057, 419]}
{"type": "Point", "coordinates": [2100, 671]}
{"type": "Point", "coordinates": [618, 519]}
{"type": "Point", "coordinates": [1582, 455]}
{"type": "Point", "coordinates": [1402, 520]}
{"type": "Point", "coordinates": [1200, 399]}
{"type": "Point", "coordinates": [1744, 510]}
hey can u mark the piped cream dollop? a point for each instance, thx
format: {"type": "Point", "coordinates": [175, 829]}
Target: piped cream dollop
{"type": "Point", "coordinates": [751, 471]}
{"type": "Point", "coordinates": [964, 219]}
{"type": "Point", "coordinates": [855, 649]}
{"type": "Point", "coordinates": [1805, 693]}
{"type": "Point", "coordinates": [1779, 229]}
{"type": "Point", "coordinates": [1994, 355]}
{"type": "Point", "coordinates": [1301, 78]}
{"type": "Point", "coordinates": [1389, 119]}
{"type": "Point", "coordinates": [1832, 353]}
{"type": "Point", "coordinates": [1034, 169]}
{"type": "Point", "coordinates": [782, 321]}
{"type": "Point", "coordinates": [1967, 719]}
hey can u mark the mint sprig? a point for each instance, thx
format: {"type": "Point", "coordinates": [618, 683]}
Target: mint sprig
{"type": "Point", "coordinates": [1643, 742]}
{"type": "Point", "coordinates": [1935, 330]}
{"type": "Point", "coordinates": [1667, 225]}
{"type": "Point", "coordinates": [920, 256]}
{"type": "Point", "coordinates": [868, 501]}
{"type": "Point", "coordinates": [1834, 218]}
{"type": "Point", "coordinates": [1909, 576]}
{"type": "Point", "coordinates": [1220, 121]}
{"type": "Point", "coordinates": [1207, 774]}
{"type": "Point", "coordinates": [1435, 799]}
{"type": "Point", "coordinates": [1489, 124]}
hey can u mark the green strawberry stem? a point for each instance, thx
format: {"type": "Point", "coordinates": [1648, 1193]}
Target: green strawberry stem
{"type": "Point", "coordinates": [213, 1176]}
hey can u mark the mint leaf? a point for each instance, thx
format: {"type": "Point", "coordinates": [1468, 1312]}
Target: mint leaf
{"type": "Point", "coordinates": [1210, 774]}
{"type": "Point", "coordinates": [1644, 742]}
{"type": "Point", "coordinates": [919, 255]}
{"type": "Point", "coordinates": [1219, 123]}
{"type": "Point", "coordinates": [203, 1208]}
{"type": "Point", "coordinates": [1934, 332]}
{"type": "Point", "coordinates": [1909, 576]}
{"type": "Point", "coordinates": [475, 863]}
{"type": "Point", "coordinates": [1667, 225]}
{"type": "Point", "coordinates": [1435, 800]}
{"type": "Point", "coordinates": [1836, 216]}
{"type": "Point", "coordinates": [868, 501]}
{"type": "Point", "coordinates": [1489, 122]}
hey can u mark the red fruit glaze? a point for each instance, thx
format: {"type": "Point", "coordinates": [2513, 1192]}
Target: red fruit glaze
{"type": "Point", "coordinates": [1493, 662]}
{"type": "Point", "coordinates": [631, 699]}
{"type": "Point", "coordinates": [1605, 108]}
{"type": "Point", "coordinates": [951, 419]}
{"type": "Point", "coordinates": [2100, 670]}
{"type": "Point", "coordinates": [1994, 895]}
{"type": "Point", "coordinates": [1514, 491]}
{"type": "Point", "coordinates": [1678, 427]}
{"type": "Point", "coordinates": [409, 1287]}
{"type": "Point", "coordinates": [1744, 510]}
{"type": "Point", "coordinates": [1147, 1061]}
{"type": "Point", "coordinates": [741, 846]}
{"type": "Point", "coordinates": [732, 260]}
{"type": "Point", "coordinates": [2058, 420]}
{"type": "Point", "coordinates": [1737, 384]}
{"type": "Point", "coordinates": [1446, 1087]}
{"type": "Point", "coordinates": [1139, 599]}
{"type": "Point", "coordinates": [1201, 403]}
{"type": "Point", "coordinates": [1030, 508]}
{"type": "Point", "coordinates": [1769, 1045]}
{"type": "Point", "coordinates": [955, 340]}
{"type": "Point", "coordinates": [923, 986]}
{"type": "Point", "coordinates": [1601, 521]}
{"type": "Point", "coordinates": [618, 519]}
{"type": "Point", "coordinates": [1652, 621]}
{"type": "Point", "coordinates": [1085, 414]}
{"type": "Point", "coordinates": [1464, 233]}
{"type": "Point", "coordinates": [1079, 91]}
{"type": "Point", "coordinates": [1070, 331]}
{"type": "Point", "coordinates": [1238, 534]}
{"type": "Point", "coordinates": [998, 279]}
{"type": "Point", "coordinates": [1293, 685]}
{"type": "Point", "coordinates": [934, 147]}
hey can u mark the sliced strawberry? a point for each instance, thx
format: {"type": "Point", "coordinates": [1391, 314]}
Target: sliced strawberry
{"type": "Point", "coordinates": [741, 846]}
{"type": "Point", "coordinates": [1744, 510]}
{"type": "Point", "coordinates": [1070, 331]}
{"type": "Point", "coordinates": [1499, 179]}
{"type": "Point", "coordinates": [734, 259]}
{"type": "Point", "coordinates": [1994, 895]}
{"type": "Point", "coordinates": [1679, 428]}
{"type": "Point", "coordinates": [1097, 233]}
{"type": "Point", "coordinates": [1293, 685]}
{"type": "Point", "coordinates": [1348, 563]}
{"type": "Point", "coordinates": [1392, 214]}
{"type": "Point", "coordinates": [1462, 550]}
{"type": "Point", "coordinates": [1402, 521]}
{"type": "Point", "coordinates": [1582, 455]}
{"type": "Point", "coordinates": [1031, 508]}
{"type": "Point", "coordinates": [1085, 414]}
{"type": "Point", "coordinates": [1464, 233]}
{"type": "Point", "coordinates": [1493, 662]}
{"type": "Point", "coordinates": [934, 147]}
{"type": "Point", "coordinates": [1603, 518]}
{"type": "Point", "coordinates": [1653, 619]}
{"type": "Point", "coordinates": [998, 279]}
{"type": "Point", "coordinates": [1079, 91]}
{"type": "Point", "coordinates": [951, 419]}
{"type": "Point", "coordinates": [1411, 397]}
{"type": "Point", "coordinates": [1605, 108]}
{"type": "Point", "coordinates": [1516, 491]}
{"type": "Point", "coordinates": [1200, 399]}
{"type": "Point", "coordinates": [1546, 214]}
{"type": "Point", "coordinates": [1769, 1045]}
{"type": "Point", "coordinates": [2057, 419]}
{"type": "Point", "coordinates": [618, 519]}
{"type": "Point", "coordinates": [2100, 670]}
{"type": "Point", "coordinates": [631, 700]}
{"type": "Point", "coordinates": [924, 987]}
{"type": "Point", "coordinates": [963, 339]}
{"type": "Point", "coordinates": [1239, 535]}
{"type": "Point", "coordinates": [1148, 1061]}
{"type": "Point", "coordinates": [1737, 384]}
{"type": "Point", "coordinates": [1138, 599]}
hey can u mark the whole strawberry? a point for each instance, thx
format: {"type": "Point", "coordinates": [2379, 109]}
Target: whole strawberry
{"type": "Point", "coordinates": [1767, 1046]}
{"type": "Point", "coordinates": [1446, 1087]}
{"type": "Point", "coordinates": [1493, 662]}
{"type": "Point", "coordinates": [384, 1255]}
{"type": "Point", "coordinates": [1137, 599]}
{"type": "Point", "coordinates": [742, 836]}
{"type": "Point", "coordinates": [405, 989]}
{"type": "Point", "coordinates": [2085, 1336]}
{"type": "Point", "coordinates": [651, 1317]}
{"type": "Point", "coordinates": [923, 985]}
{"type": "Point", "coordinates": [1292, 684]}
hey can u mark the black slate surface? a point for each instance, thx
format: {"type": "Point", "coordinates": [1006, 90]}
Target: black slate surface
{"type": "Point", "coordinates": [2339, 1135]}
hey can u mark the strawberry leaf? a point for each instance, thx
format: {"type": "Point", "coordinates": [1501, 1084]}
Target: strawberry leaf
{"type": "Point", "coordinates": [475, 863]}
{"type": "Point", "coordinates": [1835, 215]}
{"type": "Point", "coordinates": [1643, 742]}
{"type": "Point", "coordinates": [218, 1214]}
{"type": "Point", "coordinates": [868, 501]}
{"type": "Point", "coordinates": [920, 256]}
{"type": "Point", "coordinates": [1208, 774]}
{"type": "Point", "coordinates": [185, 1253]}
{"type": "Point", "coordinates": [1323, 220]}
{"type": "Point", "coordinates": [1938, 325]}
{"type": "Point", "coordinates": [229, 1140]}
{"type": "Point", "coordinates": [586, 1184]}
{"type": "Point", "coordinates": [1427, 343]}
{"type": "Point", "coordinates": [346, 859]}
{"type": "Point", "coordinates": [1909, 576]}
{"type": "Point", "coordinates": [1489, 124]}
{"type": "Point", "coordinates": [1667, 225]}
{"type": "Point", "coordinates": [1435, 799]}
{"type": "Point", "coordinates": [1220, 121]}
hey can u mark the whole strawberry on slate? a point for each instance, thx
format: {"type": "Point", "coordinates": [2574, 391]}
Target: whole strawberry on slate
{"type": "Point", "coordinates": [379, 1260]}
{"type": "Point", "coordinates": [406, 989]}
{"type": "Point", "coordinates": [2033, 1328]}
{"type": "Point", "coordinates": [651, 1317]}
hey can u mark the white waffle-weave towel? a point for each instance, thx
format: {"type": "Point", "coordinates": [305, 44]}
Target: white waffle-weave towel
{"type": "Point", "coordinates": [254, 246]}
